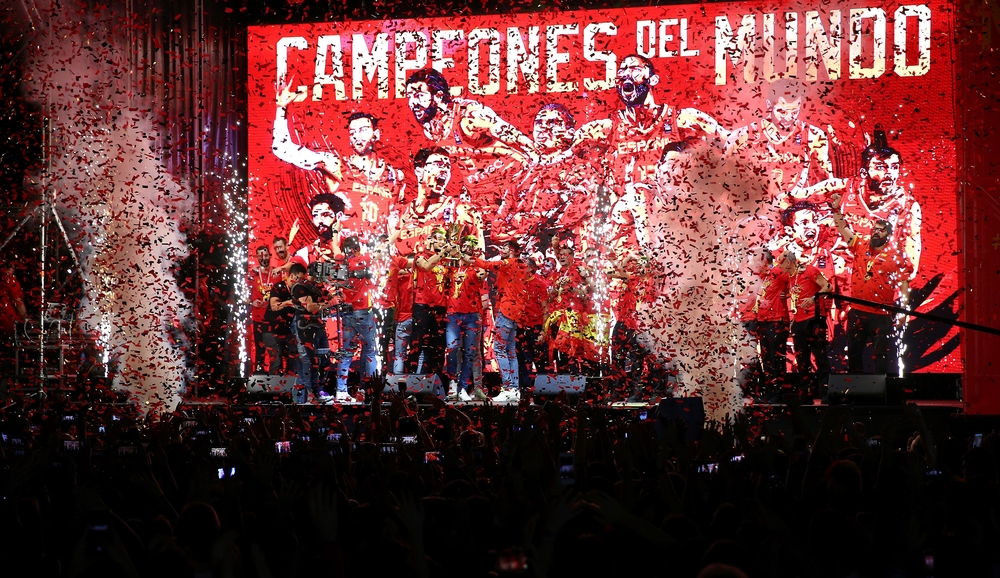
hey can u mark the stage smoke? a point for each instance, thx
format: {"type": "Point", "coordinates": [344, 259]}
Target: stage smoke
{"type": "Point", "coordinates": [705, 217]}
{"type": "Point", "coordinates": [108, 178]}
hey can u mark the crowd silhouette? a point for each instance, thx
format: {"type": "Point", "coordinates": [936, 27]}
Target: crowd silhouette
{"type": "Point", "coordinates": [555, 490]}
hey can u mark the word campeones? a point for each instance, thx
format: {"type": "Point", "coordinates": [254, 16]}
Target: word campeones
{"type": "Point", "coordinates": [534, 59]}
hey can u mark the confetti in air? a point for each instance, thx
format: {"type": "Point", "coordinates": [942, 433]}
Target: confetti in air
{"type": "Point", "coordinates": [106, 175]}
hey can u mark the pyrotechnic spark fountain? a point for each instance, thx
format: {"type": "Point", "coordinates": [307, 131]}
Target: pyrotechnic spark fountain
{"type": "Point", "coordinates": [105, 175]}
{"type": "Point", "coordinates": [237, 256]}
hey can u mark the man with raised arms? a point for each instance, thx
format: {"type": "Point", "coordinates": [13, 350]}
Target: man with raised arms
{"type": "Point", "coordinates": [638, 137]}
{"type": "Point", "coordinates": [793, 155]}
{"type": "Point", "coordinates": [880, 274]}
{"type": "Point", "coordinates": [554, 196]}
{"type": "Point", "coordinates": [806, 234]}
{"type": "Point", "coordinates": [432, 208]}
{"type": "Point", "coordinates": [363, 180]}
{"type": "Point", "coordinates": [486, 149]}
{"type": "Point", "coordinates": [878, 195]}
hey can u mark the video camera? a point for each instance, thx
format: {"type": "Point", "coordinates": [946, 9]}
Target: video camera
{"type": "Point", "coordinates": [326, 271]}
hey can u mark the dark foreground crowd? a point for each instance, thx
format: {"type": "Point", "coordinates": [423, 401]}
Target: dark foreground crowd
{"type": "Point", "coordinates": [554, 490]}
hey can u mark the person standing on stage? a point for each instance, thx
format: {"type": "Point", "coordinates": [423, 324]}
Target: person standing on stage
{"type": "Point", "coordinates": [464, 311]}
{"type": "Point", "coordinates": [627, 353]}
{"type": "Point", "coordinates": [279, 336]}
{"type": "Point", "coordinates": [510, 298]}
{"type": "Point", "coordinates": [770, 313]}
{"type": "Point", "coordinates": [314, 346]}
{"type": "Point", "coordinates": [572, 306]}
{"type": "Point", "coordinates": [356, 316]}
{"type": "Point", "coordinates": [399, 293]}
{"type": "Point", "coordinates": [880, 273]}
{"type": "Point", "coordinates": [808, 330]}
{"type": "Point", "coordinates": [532, 347]}
{"type": "Point", "coordinates": [422, 233]}
{"type": "Point", "coordinates": [429, 306]}
{"type": "Point", "coordinates": [808, 232]}
{"type": "Point", "coordinates": [260, 301]}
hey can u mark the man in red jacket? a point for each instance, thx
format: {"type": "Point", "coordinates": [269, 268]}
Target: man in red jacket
{"type": "Point", "coordinates": [510, 275]}
{"type": "Point", "coordinates": [532, 348]}
{"type": "Point", "coordinates": [808, 330]}
{"type": "Point", "coordinates": [770, 316]}
{"type": "Point", "coordinates": [880, 274]}
{"type": "Point", "coordinates": [465, 318]}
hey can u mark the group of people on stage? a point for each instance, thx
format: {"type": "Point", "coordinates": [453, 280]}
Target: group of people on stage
{"type": "Point", "coordinates": [571, 214]}
{"type": "Point", "coordinates": [873, 258]}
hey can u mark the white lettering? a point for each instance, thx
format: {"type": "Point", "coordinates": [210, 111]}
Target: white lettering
{"type": "Point", "coordinates": [282, 61]}
{"type": "Point", "coordinates": [791, 47]}
{"type": "Point", "coordinates": [645, 38]}
{"type": "Point", "coordinates": [876, 19]}
{"type": "Point", "coordinates": [591, 53]}
{"type": "Point", "coordinates": [525, 60]}
{"type": "Point", "coordinates": [371, 63]}
{"type": "Point", "coordinates": [819, 45]}
{"type": "Point", "coordinates": [329, 45]}
{"type": "Point", "coordinates": [403, 64]}
{"type": "Point", "coordinates": [553, 58]}
{"type": "Point", "coordinates": [665, 38]}
{"type": "Point", "coordinates": [492, 35]}
{"type": "Point", "coordinates": [438, 39]}
{"type": "Point", "coordinates": [685, 51]}
{"type": "Point", "coordinates": [923, 15]}
{"type": "Point", "coordinates": [741, 44]}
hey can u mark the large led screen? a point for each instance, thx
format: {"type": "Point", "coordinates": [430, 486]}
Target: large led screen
{"type": "Point", "coordinates": [690, 137]}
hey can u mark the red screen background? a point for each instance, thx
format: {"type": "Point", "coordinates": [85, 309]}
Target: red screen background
{"type": "Point", "coordinates": [917, 111]}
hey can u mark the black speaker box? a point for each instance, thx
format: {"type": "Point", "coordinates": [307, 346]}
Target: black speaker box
{"type": "Point", "coordinates": [261, 384]}
{"type": "Point", "coordinates": [415, 383]}
{"type": "Point", "coordinates": [858, 388]}
{"type": "Point", "coordinates": [556, 384]}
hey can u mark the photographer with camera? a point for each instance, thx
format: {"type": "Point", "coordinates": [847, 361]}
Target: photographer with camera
{"type": "Point", "coordinates": [314, 346]}
{"type": "Point", "coordinates": [356, 314]}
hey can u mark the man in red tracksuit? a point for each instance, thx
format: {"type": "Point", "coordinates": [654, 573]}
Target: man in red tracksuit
{"type": "Point", "coordinates": [770, 316]}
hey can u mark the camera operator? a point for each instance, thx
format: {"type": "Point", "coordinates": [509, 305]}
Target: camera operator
{"type": "Point", "coordinates": [314, 347]}
{"type": "Point", "coordinates": [356, 314]}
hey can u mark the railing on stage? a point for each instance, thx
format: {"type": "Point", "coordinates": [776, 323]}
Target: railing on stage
{"type": "Point", "coordinates": [905, 311]}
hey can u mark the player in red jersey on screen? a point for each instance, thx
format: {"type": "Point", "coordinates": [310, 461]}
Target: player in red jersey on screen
{"type": "Point", "coordinates": [793, 155]}
{"type": "Point", "coordinates": [432, 208]}
{"type": "Point", "coordinates": [364, 181]}
{"type": "Point", "coordinates": [878, 194]}
{"type": "Point", "coordinates": [485, 149]}
{"type": "Point", "coordinates": [634, 142]}
{"type": "Point", "coordinates": [555, 196]}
